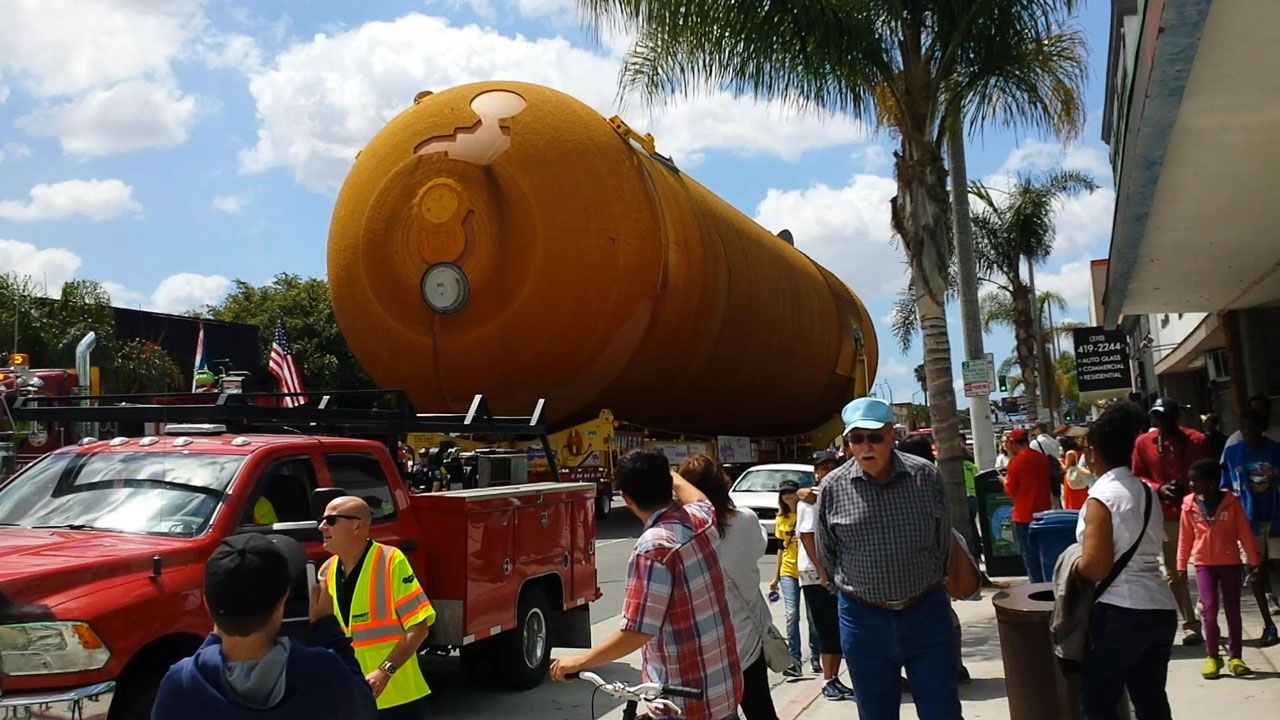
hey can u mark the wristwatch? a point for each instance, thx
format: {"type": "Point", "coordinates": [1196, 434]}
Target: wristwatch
{"type": "Point", "coordinates": [388, 667]}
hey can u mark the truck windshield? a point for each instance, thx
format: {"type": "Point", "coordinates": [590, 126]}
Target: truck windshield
{"type": "Point", "coordinates": [145, 492]}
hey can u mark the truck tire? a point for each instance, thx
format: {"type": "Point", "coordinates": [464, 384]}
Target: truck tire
{"type": "Point", "coordinates": [136, 693]}
{"type": "Point", "coordinates": [604, 503]}
{"type": "Point", "coordinates": [524, 653]}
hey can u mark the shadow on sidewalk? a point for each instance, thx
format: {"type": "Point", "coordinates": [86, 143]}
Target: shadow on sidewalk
{"type": "Point", "coordinates": [983, 689]}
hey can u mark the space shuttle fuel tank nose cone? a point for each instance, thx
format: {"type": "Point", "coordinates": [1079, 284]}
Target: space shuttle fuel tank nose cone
{"type": "Point", "coordinates": [503, 238]}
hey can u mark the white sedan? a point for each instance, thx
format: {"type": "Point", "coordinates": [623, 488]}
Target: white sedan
{"type": "Point", "coordinates": [757, 489]}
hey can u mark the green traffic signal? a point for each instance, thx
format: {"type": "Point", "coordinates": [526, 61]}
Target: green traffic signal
{"type": "Point", "coordinates": [1004, 383]}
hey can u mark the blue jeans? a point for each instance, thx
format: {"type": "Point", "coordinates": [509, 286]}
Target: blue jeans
{"type": "Point", "coordinates": [1030, 558]}
{"type": "Point", "coordinates": [791, 603]}
{"type": "Point", "coordinates": [879, 643]}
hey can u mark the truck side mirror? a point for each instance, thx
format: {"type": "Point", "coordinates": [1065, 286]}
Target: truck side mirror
{"type": "Point", "coordinates": [321, 497]}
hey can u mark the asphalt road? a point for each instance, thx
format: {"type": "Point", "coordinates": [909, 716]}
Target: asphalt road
{"type": "Point", "coordinates": [454, 697]}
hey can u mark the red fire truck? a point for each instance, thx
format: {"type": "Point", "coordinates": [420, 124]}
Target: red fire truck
{"type": "Point", "coordinates": [102, 543]}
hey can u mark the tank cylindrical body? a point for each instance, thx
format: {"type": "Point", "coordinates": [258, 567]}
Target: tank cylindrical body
{"type": "Point", "coordinates": [503, 238]}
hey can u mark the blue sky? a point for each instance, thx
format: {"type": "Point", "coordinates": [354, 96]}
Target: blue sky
{"type": "Point", "coordinates": [165, 147]}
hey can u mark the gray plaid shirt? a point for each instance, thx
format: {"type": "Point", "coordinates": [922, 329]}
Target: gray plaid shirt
{"type": "Point", "coordinates": [885, 541]}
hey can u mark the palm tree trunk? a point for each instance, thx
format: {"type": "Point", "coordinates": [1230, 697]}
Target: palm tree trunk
{"type": "Point", "coordinates": [970, 317]}
{"type": "Point", "coordinates": [1025, 344]}
{"type": "Point", "coordinates": [1036, 324]}
{"type": "Point", "coordinates": [920, 214]}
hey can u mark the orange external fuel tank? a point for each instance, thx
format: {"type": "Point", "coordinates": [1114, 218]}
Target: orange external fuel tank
{"type": "Point", "coordinates": [504, 238]}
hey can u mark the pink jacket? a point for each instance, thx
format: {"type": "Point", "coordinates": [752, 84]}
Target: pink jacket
{"type": "Point", "coordinates": [1217, 542]}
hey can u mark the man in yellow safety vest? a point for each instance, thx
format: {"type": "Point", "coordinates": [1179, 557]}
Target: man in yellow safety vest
{"type": "Point", "coordinates": [380, 605]}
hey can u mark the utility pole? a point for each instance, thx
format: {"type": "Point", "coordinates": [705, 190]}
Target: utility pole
{"type": "Point", "coordinates": [984, 450]}
{"type": "Point", "coordinates": [1036, 317]}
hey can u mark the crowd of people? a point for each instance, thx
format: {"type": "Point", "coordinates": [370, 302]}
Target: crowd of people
{"type": "Point", "coordinates": [869, 550]}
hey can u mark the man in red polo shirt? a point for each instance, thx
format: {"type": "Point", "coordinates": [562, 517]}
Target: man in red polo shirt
{"type": "Point", "coordinates": [1027, 482]}
{"type": "Point", "coordinates": [1162, 458]}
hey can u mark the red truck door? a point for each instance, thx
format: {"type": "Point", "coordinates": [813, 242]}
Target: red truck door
{"type": "Point", "coordinates": [363, 475]}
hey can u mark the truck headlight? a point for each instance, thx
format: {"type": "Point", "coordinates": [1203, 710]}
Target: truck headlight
{"type": "Point", "coordinates": [43, 648]}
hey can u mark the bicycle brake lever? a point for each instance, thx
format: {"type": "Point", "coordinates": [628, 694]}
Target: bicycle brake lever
{"type": "Point", "coordinates": [663, 707]}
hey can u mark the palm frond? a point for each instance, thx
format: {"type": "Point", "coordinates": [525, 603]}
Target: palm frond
{"type": "Point", "coordinates": [904, 322]}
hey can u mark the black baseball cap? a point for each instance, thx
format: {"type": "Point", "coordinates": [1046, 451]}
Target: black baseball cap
{"type": "Point", "coordinates": [247, 575]}
{"type": "Point", "coordinates": [1165, 405]}
{"type": "Point", "coordinates": [791, 485]}
{"type": "Point", "coordinates": [823, 456]}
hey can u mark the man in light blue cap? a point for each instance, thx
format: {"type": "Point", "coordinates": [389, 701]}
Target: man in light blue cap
{"type": "Point", "coordinates": [883, 532]}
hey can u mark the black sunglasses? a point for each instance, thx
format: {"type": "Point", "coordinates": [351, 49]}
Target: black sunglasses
{"type": "Point", "coordinates": [332, 520]}
{"type": "Point", "coordinates": [860, 438]}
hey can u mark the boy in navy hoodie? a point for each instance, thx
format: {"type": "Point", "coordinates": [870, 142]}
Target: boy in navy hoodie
{"type": "Point", "coordinates": [243, 670]}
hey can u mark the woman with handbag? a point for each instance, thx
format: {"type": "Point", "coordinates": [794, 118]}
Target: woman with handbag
{"type": "Point", "coordinates": [742, 544]}
{"type": "Point", "coordinates": [1134, 616]}
{"type": "Point", "coordinates": [1076, 477]}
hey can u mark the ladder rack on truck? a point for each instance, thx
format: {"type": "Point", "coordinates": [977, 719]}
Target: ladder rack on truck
{"type": "Point", "coordinates": [347, 413]}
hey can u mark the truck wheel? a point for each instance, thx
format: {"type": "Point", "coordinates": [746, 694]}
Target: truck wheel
{"type": "Point", "coordinates": [604, 503]}
{"type": "Point", "coordinates": [525, 652]}
{"type": "Point", "coordinates": [136, 693]}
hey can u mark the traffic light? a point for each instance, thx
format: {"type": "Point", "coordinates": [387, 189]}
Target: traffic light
{"type": "Point", "coordinates": [1067, 416]}
{"type": "Point", "coordinates": [1004, 383]}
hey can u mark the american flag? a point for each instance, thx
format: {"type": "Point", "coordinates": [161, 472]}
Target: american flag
{"type": "Point", "coordinates": [200, 357]}
{"type": "Point", "coordinates": [284, 368]}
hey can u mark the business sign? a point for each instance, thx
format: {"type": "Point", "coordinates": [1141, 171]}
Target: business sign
{"type": "Point", "coordinates": [1103, 369]}
{"type": "Point", "coordinates": [733, 449]}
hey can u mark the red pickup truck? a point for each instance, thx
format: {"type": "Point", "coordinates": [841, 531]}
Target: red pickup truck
{"type": "Point", "coordinates": [102, 547]}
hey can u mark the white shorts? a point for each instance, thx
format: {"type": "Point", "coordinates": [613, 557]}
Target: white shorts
{"type": "Point", "coordinates": [1268, 547]}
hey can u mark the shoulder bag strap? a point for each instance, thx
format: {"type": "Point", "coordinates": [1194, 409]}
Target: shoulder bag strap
{"type": "Point", "coordinates": [1128, 555]}
{"type": "Point", "coordinates": [751, 610]}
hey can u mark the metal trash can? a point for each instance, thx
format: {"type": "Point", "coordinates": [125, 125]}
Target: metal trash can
{"type": "Point", "coordinates": [1036, 688]}
{"type": "Point", "coordinates": [1052, 532]}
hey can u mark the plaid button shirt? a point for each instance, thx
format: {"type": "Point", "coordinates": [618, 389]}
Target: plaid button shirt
{"type": "Point", "coordinates": [885, 541]}
{"type": "Point", "coordinates": [676, 593]}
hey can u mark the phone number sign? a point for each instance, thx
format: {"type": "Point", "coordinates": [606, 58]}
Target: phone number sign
{"type": "Point", "coordinates": [1102, 361]}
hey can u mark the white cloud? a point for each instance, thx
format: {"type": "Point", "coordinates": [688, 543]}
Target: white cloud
{"type": "Point", "coordinates": [893, 368]}
{"type": "Point", "coordinates": [187, 291]}
{"type": "Point", "coordinates": [122, 296]}
{"type": "Point", "coordinates": [229, 203]}
{"type": "Point", "coordinates": [233, 50]}
{"type": "Point", "coordinates": [131, 115]}
{"type": "Point", "coordinates": [48, 268]}
{"type": "Point", "coordinates": [66, 47]}
{"type": "Point", "coordinates": [846, 230]}
{"type": "Point", "coordinates": [94, 199]}
{"type": "Point", "coordinates": [14, 150]}
{"type": "Point", "coordinates": [1071, 281]}
{"type": "Point", "coordinates": [1039, 156]}
{"type": "Point", "coordinates": [102, 70]}
{"type": "Point", "coordinates": [319, 102]}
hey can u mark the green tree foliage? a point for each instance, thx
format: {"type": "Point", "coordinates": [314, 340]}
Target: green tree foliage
{"type": "Point", "coordinates": [322, 354]}
{"type": "Point", "coordinates": [49, 328]}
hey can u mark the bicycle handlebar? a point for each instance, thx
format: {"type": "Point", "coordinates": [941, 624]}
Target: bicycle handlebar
{"type": "Point", "coordinates": [644, 691]}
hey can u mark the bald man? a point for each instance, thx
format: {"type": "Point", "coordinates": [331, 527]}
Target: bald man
{"type": "Point", "coordinates": [380, 605]}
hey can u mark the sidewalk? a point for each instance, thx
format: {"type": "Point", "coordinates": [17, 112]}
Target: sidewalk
{"type": "Point", "coordinates": [1192, 696]}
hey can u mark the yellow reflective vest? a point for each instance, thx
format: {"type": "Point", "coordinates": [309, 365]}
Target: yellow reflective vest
{"type": "Point", "coordinates": [387, 602]}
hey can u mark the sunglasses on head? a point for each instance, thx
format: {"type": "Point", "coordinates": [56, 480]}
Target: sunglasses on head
{"type": "Point", "coordinates": [332, 520]}
{"type": "Point", "coordinates": [858, 438]}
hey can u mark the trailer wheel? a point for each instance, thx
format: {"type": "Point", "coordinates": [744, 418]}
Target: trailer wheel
{"type": "Point", "coordinates": [525, 651]}
{"type": "Point", "coordinates": [604, 503]}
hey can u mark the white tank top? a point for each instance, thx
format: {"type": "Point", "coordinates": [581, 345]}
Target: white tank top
{"type": "Point", "coordinates": [1140, 585]}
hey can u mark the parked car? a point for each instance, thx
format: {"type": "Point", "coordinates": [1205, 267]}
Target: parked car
{"type": "Point", "coordinates": [757, 488]}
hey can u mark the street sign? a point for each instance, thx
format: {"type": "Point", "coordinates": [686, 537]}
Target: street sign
{"type": "Point", "coordinates": [979, 376]}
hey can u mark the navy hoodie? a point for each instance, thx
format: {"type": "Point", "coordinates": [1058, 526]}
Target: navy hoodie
{"type": "Point", "coordinates": [322, 680]}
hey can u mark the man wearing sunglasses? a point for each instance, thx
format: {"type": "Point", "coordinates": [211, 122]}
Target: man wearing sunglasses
{"type": "Point", "coordinates": [379, 604]}
{"type": "Point", "coordinates": [884, 537]}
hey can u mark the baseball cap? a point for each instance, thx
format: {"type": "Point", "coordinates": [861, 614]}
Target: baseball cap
{"type": "Point", "coordinates": [1165, 405]}
{"type": "Point", "coordinates": [788, 485]}
{"type": "Point", "coordinates": [866, 414]}
{"type": "Point", "coordinates": [823, 456]}
{"type": "Point", "coordinates": [248, 574]}
{"type": "Point", "coordinates": [1018, 435]}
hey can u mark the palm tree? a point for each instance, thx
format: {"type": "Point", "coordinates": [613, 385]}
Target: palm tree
{"type": "Point", "coordinates": [1017, 227]}
{"type": "Point", "coordinates": [916, 69]}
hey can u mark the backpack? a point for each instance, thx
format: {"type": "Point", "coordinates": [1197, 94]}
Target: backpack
{"type": "Point", "coordinates": [1055, 469]}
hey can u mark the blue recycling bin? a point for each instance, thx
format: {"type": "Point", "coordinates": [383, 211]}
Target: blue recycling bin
{"type": "Point", "coordinates": [1052, 532]}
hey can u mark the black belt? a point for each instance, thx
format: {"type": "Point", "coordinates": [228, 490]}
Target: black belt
{"type": "Point", "coordinates": [896, 605]}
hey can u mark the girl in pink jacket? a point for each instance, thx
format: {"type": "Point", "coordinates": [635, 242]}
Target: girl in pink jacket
{"type": "Point", "coordinates": [1214, 528]}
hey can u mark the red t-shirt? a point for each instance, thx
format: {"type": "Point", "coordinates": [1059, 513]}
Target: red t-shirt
{"type": "Point", "coordinates": [1027, 483]}
{"type": "Point", "coordinates": [1161, 461]}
